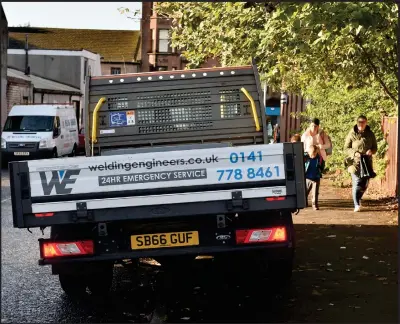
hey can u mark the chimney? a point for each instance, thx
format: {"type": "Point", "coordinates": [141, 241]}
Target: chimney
{"type": "Point", "coordinates": [27, 68]}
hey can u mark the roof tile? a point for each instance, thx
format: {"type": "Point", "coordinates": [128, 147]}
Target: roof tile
{"type": "Point", "coordinates": [112, 45]}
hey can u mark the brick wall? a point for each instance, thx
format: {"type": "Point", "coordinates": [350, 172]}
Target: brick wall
{"type": "Point", "coordinates": [16, 91]}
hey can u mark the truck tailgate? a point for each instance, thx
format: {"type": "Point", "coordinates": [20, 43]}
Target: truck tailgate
{"type": "Point", "coordinates": [157, 184]}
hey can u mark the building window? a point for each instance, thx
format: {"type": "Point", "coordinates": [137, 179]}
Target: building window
{"type": "Point", "coordinates": [25, 100]}
{"type": "Point", "coordinates": [163, 41]}
{"type": "Point", "coordinates": [115, 70]}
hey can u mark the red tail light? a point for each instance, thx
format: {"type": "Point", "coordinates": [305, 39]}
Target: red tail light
{"type": "Point", "coordinates": [44, 215]}
{"type": "Point", "coordinates": [261, 235]}
{"type": "Point", "coordinates": [59, 249]}
{"type": "Point", "coordinates": [275, 198]}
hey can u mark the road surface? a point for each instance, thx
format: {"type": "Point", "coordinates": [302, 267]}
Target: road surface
{"type": "Point", "coordinates": [346, 271]}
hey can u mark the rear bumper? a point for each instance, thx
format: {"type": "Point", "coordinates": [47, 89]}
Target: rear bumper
{"type": "Point", "coordinates": [273, 251]}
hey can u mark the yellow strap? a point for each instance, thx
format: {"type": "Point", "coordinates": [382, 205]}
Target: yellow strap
{"type": "Point", "coordinates": [253, 108]}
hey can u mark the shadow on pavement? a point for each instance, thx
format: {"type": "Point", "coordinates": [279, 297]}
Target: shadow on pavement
{"type": "Point", "coordinates": [342, 274]}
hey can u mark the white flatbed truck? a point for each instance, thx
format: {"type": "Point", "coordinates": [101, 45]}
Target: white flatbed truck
{"type": "Point", "coordinates": [183, 169]}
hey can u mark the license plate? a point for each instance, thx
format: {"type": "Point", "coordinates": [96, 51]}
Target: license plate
{"type": "Point", "coordinates": [21, 153]}
{"type": "Point", "coordinates": [164, 240]}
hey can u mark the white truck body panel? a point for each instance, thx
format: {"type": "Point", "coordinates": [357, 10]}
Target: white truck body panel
{"type": "Point", "coordinates": [77, 176]}
{"type": "Point", "coordinates": [149, 170]}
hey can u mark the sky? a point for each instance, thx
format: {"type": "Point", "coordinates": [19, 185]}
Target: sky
{"type": "Point", "coordinates": [79, 15]}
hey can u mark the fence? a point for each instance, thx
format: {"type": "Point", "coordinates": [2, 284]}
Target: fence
{"type": "Point", "coordinates": [390, 130]}
{"type": "Point", "coordinates": [290, 116]}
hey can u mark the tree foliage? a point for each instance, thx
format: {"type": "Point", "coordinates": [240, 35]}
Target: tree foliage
{"type": "Point", "coordinates": [341, 55]}
{"type": "Point", "coordinates": [293, 43]}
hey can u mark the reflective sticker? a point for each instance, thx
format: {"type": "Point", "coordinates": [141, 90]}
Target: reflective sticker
{"type": "Point", "coordinates": [130, 116]}
{"type": "Point", "coordinates": [118, 119]}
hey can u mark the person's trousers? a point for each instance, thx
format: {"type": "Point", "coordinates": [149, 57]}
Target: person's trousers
{"type": "Point", "coordinates": [360, 185]}
{"type": "Point", "coordinates": [313, 185]}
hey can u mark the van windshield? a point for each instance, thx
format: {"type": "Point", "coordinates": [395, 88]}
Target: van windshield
{"type": "Point", "coordinates": [29, 124]}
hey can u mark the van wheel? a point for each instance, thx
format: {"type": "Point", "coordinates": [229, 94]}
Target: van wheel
{"type": "Point", "coordinates": [73, 153]}
{"type": "Point", "coordinates": [54, 154]}
{"type": "Point", "coordinates": [73, 285]}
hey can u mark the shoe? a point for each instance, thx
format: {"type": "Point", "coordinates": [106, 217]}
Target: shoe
{"type": "Point", "coordinates": [357, 209]}
{"type": "Point", "coordinates": [315, 207]}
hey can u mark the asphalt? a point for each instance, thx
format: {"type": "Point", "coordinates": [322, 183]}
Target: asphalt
{"type": "Point", "coordinates": [343, 273]}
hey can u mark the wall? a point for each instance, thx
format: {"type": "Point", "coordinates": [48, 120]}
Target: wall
{"type": "Point", "coordinates": [3, 67]}
{"type": "Point", "coordinates": [125, 68]}
{"type": "Point", "coordinates": [17, 89]}
{"type": "Point", "coordinates": [51, 98]}
{"type": "Point", "coordinates": [62, 69]}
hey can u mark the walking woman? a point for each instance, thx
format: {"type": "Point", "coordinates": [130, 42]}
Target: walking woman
{"type": "Point", "coordinates": [360, 145]}
{"type": "Point", "coordinates": [314, 135]}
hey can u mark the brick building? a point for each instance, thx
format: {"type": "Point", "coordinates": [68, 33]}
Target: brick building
{"type": "Point", "coordinates": [156, 51]}
{"type": "Point", "coordinates": [3, 65]}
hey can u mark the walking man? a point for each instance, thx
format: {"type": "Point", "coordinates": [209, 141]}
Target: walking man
{"type": "Point", "coordinates": [360, 145]}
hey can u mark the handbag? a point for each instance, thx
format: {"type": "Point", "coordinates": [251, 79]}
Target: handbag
{"type": "Point", "coordinates": [366, 170]}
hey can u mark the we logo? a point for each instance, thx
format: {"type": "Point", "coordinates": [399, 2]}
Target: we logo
{"type": "Point", "coordinates": [59, 180]}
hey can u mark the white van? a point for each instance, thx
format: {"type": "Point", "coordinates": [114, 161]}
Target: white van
{"type": "Point", "coordinates": [36, 131]}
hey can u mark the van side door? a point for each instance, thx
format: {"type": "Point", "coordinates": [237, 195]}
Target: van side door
{"type": "Point", "coordinates": [58, 136]}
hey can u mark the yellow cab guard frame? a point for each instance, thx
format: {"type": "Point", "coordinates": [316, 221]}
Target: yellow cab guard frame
{"type": "Point", "coordinates": [94, 121]}
{"type": "Point", "coordinates": [253, 108]}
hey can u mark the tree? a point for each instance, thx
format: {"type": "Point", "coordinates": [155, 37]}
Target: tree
{"type": "Point", "coordinates": [293, 43]}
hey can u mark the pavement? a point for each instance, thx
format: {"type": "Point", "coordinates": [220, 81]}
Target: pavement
{"type": "Point", "coordinates": [346, 271]}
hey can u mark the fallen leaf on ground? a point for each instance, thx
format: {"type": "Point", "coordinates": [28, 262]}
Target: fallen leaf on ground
{"type": "Point", "coordinates": [328, 264]}
{"type": "Point", "coordinates": [330, 270]}
{"type": "Point", "coordinates": [185, 318]}
{"type": "Point", "coordinates": [331, 236]}
{"type": "Point", "coordinates": [365, 257]}
{"type": "Point", "coordinates": [382, 278]}
{"type": "Point", "coordinates": [330, 304]}
{"type": "Point", "coordinates": [316, 293]}
{"type": "Point", "coordinates": [343, 248]}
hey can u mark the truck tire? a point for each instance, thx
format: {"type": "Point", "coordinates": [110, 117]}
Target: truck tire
{"type": "Point", "coordinates": [100, 283]}
{"type": "Point", "coordinates": [280, 271]}
{"type": "Point", "coordinates": [73, 285]}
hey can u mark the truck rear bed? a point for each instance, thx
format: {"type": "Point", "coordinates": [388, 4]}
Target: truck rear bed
{"type": "Point", "coordinates": [176, 183]}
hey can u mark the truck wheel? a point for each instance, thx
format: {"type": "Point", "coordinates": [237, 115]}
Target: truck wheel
{"type": "Point", "coordinates": [280, 272]}
{"type": "Point", "coordinates": [100, 283]}
{"type": "Point", "coordinates": [73, 153]}
{"type": "Point", "coordinates": [73, 285]}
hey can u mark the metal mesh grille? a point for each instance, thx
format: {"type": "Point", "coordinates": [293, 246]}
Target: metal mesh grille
{"type": "Point", "coordinates": [166, 115]}
{"type": "Point", "coordinates": [117, 103]}
{"type": "Point", "coordinates": [232, 95]}
{"type": "Point", "coordinates": [230, 110]}
{"type": "Point", "coordinates": [174, 99]}
{"type": "Point", "coordinates": [175, 127]}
